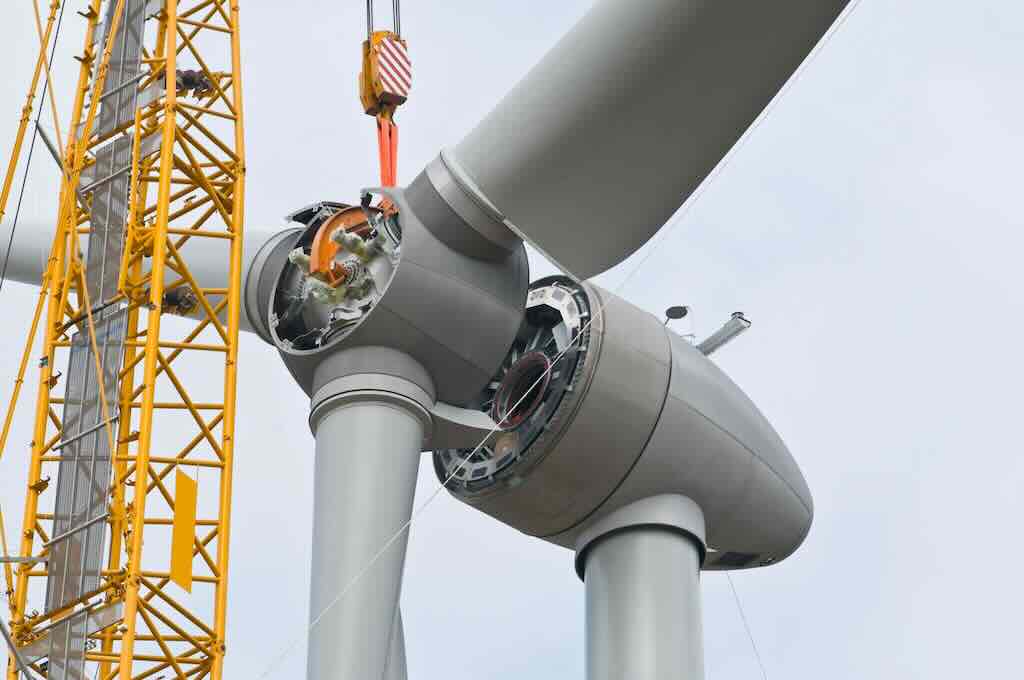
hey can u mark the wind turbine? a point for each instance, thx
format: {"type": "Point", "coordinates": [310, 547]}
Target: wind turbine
{"type": "Point", "coordinates": [555, 407]}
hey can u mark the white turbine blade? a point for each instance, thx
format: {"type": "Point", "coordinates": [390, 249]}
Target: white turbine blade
{"type": "Point", "coordinates": [591, 153]}
{"type": "Point", "coordinates": [33, 239]}
{"type": "Point", "coordinates": [29, 250]}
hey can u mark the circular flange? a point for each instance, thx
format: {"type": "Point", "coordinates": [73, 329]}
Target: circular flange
{"type": "Point", "coordinates": [521, 390]}
{"type": "Point", "coordinates": [534, 391]}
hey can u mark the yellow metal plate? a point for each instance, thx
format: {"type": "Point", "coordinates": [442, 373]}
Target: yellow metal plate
{"type": "Point", "coordinates": [186, 495]}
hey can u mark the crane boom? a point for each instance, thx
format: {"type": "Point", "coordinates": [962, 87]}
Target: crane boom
{"type": "Point", "coordinates": [123, 555]}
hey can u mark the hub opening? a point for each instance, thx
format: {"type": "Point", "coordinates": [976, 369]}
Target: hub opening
{"type": "Point", "coordinates": [522, 390]}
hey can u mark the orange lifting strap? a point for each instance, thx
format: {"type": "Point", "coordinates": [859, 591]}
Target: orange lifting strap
{"type": "Point", "coordinates": [384, 85]}
{"type": "Point", "coordinates": [324, 248]}
{"type": "Point", "coordinates": [387, 142]}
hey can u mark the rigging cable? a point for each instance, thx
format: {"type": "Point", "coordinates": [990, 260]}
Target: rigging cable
{"type": "Point", "coordinates": [31, 149]}
{"type": "Point", "coordinates": [746, 625]}
{"type": "Point", "coordinates": [669, 227]}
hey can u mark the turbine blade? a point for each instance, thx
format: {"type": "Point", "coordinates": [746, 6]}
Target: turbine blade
{"type": "Point", "coordinates": [592, 152]}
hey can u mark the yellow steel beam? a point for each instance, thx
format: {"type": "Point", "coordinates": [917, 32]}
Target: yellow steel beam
{"type": "Point", "coordinates": [26, 111]}
{"type": "Point", "coordinates": [234, 300]}
{"type": "Point", "coordinates": [169, 32]}
{"type": "Point", "coordinates": [43, 44]}
{"type": "Point", "coordinates": [20, 380]}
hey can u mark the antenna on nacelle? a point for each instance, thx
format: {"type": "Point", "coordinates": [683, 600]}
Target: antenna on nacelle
{"type": "Point", "coordinates": [675, 313]}
{"type": "Point", "coordinates": [678, 312]}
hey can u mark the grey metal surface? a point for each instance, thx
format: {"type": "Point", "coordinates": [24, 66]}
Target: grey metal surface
{"type": "Point", "coordinates": [643, 613]}
{"type": "Point", "coordinates": [534, 392]}
{"type": "Point", "coordinates": [452, 214]}
{"type": "Point", "coordinates": [436, 295]}
{"type": "Point", "coordinates": [382, 362]}
{"type": "Point", "coordinates": [367, 459]}
{"type": "Point", "coordinates": [649, 414]}
{"type": "Point", "coordinates": [713, 445]}
{"type": "Point", "coordinates": [669, 511]}
{"type": "Point", "coordinates": [456, 427]}
{"type": "Point", "coordinates": [98, 618]}
{"type": "Point", "coordinates": [598, 431]}
{"type": "Point", "coordinates": [382, 373]}
{"type": "Point", "coordinates": [78, 542]}
{"type": "Point", "coordinates": [67, 648]}
{"type": "Point", "coordinates": [108, 216]}
{"type": "Point", "coordinates": [120, 88]}
{"type": "Point", "coordinates": [83, 475]}
{"type": "Point", "coordinates": [373, 388]}
{"type": "Point", "coordinates": [151, 93]}
{"type": "Point", "coordinates": [50, 146]}
{"type": "Point", "coordinates": [603, 140]}
{"type": "Point", "coordinates": [264, 261]}
{"type": "Point", "coordinates": [396, 664]}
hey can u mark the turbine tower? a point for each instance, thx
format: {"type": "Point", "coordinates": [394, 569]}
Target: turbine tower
{"type": "Point", "coordinates": [554, 406]}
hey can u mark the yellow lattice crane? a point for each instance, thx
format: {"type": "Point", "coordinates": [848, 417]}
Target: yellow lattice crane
{"type": "Point", "coordinates": [121, 569]}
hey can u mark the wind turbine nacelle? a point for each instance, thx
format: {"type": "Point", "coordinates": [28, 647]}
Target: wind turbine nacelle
{"type": "Point", "coordinates": [628, 411]}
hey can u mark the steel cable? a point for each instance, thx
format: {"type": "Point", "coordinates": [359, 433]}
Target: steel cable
{"type": "Point", "coordinates": [746, 626]}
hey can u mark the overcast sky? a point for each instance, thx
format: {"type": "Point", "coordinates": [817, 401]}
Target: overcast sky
{"type": "Point", "coordinates": [871, 228]}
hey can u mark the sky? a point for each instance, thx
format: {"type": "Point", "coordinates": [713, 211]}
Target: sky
{"type": "Point", "coordinates": [870, 227]}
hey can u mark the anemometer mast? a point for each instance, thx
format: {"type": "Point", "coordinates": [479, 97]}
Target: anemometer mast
{"type": "Point", "coordinates": [123, 559]}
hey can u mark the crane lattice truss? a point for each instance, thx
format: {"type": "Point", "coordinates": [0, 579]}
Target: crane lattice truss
{"type": "Point", "coordinates": [122, 568]}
